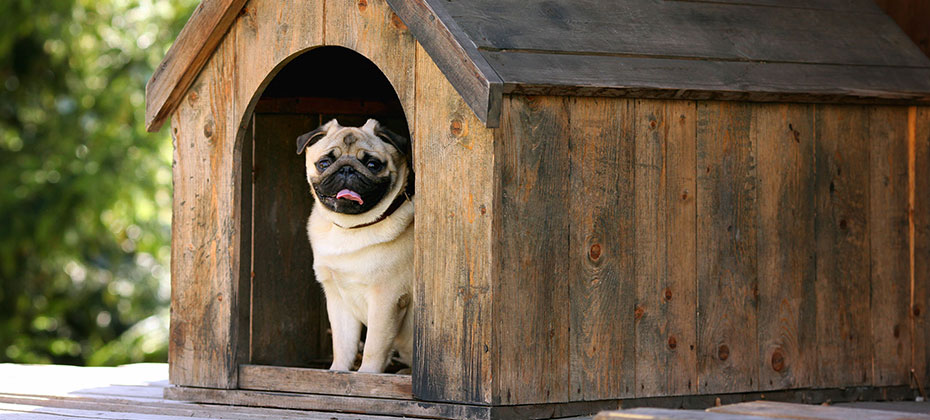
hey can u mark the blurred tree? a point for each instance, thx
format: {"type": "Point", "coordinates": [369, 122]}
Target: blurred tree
{"type": "Point", "coordinates": [85, 192]}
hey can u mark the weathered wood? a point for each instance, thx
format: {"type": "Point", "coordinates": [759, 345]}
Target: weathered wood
{"type": "Point", "coordinates": [912, 16]}
{"type": "Point", "coordinates": [919, 235]}
{"type": "Point", "coordinates": [842, 235]}
{"type": "Point", "coordinates": [455, 54]}
{"type": "Point", "coordinates": [867, 6]}
{"type": "Point", "coordinates": [206, 244]}
{"type": "Point", "coordinates": [319, 381]}
{"type": "Point", "coordinates": [378, 34]}
{"type": "Point", "coordinates": [288, 308]}
{"type": "Point", "coordinates": [771, 409]}
{"type": "Point", "coordinates": [333, 403]}
{"type": "Point", "coordinates": [537, 73]}
{"type": "Point", "coordinates": [532, 239]}
{"type": "Point", "coordinates": [727, 227]}
{"type": "Point", "coordinates": [888, 225]}
{"type": "Point", "coordinates": [668, 414]}
{"type": "Point", "coordinates": [454, 164]}
{"type": "Point", "coordinates": [190, 52]}
{"type": "Point", "coordinates": [783, 137]}
{"type": "Point", "coordinates": [703, 30]}
{"type": "Point", "coordinates": [600, 259]}
{"type": "Point", "coordinates": [665, 248]}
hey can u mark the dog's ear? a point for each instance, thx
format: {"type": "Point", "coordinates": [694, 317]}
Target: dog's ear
{"type": "Point", "coordinates": [401, 143]}
{"type": "Point", "coordinates": [307, 139]}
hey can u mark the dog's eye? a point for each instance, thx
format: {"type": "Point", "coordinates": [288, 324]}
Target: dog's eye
{"type": "Point", "coordinates": [322, 164]}
{"type": "Point", "coordinates": [374, 165]}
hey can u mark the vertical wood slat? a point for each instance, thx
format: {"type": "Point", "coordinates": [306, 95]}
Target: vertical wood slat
{"type": "Point", "coordinates": [920, 217]}
{"type": "Point", "coordinates": [205, 253]}
{"type": "Point", "coordinates": [888, 225]}
{"type": "Point", "coordinates": [531, 293]}
{"type": "Point", "coordinates": [783, 137]}
{"type": "Point", "coordinates": [842, 236]}
{"type": "Point", "coordinates": [288, 325]}
{"type": "Point", "coordinates": [453, 230]}
{"type": "Point", "coordinates": [664, 219]}
{"type": "Point", "coordinates": [601, 247]}
{"type": "Point", "coordinates": [727, 222]}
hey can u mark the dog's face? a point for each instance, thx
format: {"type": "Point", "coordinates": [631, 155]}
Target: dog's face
{"type": "Point", "coordinates": [353, 169]}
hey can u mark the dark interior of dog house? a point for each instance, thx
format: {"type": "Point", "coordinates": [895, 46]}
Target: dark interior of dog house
{"type": "Point", "coordinates": [287, 320]}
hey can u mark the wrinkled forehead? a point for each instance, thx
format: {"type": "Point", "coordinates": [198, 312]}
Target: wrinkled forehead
{"type": "Point", "coordinates": [351, 140]}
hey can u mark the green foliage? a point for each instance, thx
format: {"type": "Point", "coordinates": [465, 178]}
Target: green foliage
{"type": "Point", "coordinates": [85, 192]}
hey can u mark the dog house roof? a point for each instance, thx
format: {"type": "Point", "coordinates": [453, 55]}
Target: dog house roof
{"type": "Point", "coordinates": [756, 50]}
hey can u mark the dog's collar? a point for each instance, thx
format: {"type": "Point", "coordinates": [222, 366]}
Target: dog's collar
{"type": "Point", "coordinates": [399, 201]}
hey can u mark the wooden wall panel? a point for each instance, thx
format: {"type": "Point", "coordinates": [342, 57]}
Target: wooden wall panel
{"type": "Point", "coordinates": [783, 137]}
{"type": "Point", "coordinates": [531, 294]}
{"type": "Point", "coordinates": [842, 234]}
{"type": "Point", "coordinates": [664, 219]}
{"type": "Point", "coordinates": [919, 142]}
{"type": "Point", "coordinates": [888, 230]}
{"type": "Point", "coordinates": [288, 323]}
{"type": "Point", "coordinates": [912, 16]}
{"type": "Point", "coordinates": [601, 238]}
{"type": "Point", "coordinates": [727, 227]}
{"type": "Point", "coordinates": [205, 252]}
{"type": "Point", "coordinates": [453, 227]}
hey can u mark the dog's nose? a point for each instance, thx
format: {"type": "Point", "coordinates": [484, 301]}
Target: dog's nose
{"type": "Point", "coordinates": [346, 170]}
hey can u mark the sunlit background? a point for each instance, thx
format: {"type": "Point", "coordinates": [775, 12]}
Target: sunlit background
{"type": "Point", "coordinates": [85, 192]}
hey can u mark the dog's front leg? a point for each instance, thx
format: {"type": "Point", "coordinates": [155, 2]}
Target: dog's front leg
{"type": "Point", "coordinates": [385, 313]}
{"type": "Point", "coordinates": [346, 330]}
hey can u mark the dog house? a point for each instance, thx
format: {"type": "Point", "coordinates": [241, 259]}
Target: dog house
{"type": "Point", "coordinates": [618, 203]}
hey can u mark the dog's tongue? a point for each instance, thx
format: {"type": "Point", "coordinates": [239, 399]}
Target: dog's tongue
{"type": "Point", "coordinates": [350, 195]}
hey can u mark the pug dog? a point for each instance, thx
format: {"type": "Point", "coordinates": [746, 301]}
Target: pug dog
{"type": "Point", "coordinates": [361, 234]}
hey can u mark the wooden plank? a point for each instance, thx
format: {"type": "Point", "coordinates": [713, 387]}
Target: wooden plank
{"type": "Point", "coordinates": [455, 54]}
{"type": "Point", "coordinates": [772, 409]}
{"type": "Point", "coordinates": [888, 230]}
{"type": "Point", "coordinates": [841, 5]}
{"type": "Point", "coordinates": [668, 414]}
{"type": "Point", "coordinates": [206, 248]}
{"type": "Point", "coordinates": [919, 226]}
{"type": "Point", "coordinates": [783, 137]}
{"type": "Point", "coordinates": [912, 16]}
{"type": "Point", "coordinates": [727, 223]}
{"type": "Point", "coordinates": [665, 248]}
{"type": "Point", "coordinates": [601, 247]}
{"type": "Point", "coordinates": [288, 308]}
{"type": "Point", "coordinates": [332, 403]}
{"type": "Point", "coordinates": [531, 299]}
{"type": "Point", "coordinates": [453, 251]}
{"type": "Point", "coordinates": [190, 52]}
{"type": "Point", "coordinates": [537, 73]}
{"type": "Point", "coordinates": [711, 30]}
{"type": "Point", "coordinates": [844, 337]}
{"type": "Point", "coordinates": [372, 29]}
{"type": "Point", "coordinates": [319, 381]}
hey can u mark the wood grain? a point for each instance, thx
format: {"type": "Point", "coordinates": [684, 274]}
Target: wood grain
{"type": "Point", "coordinates": [772, 409]}
{"type": "Point", "coordinates": [783, 137]}
{"type": "Point", "coordinates": [664, 219]}
{"type": "Point", "coordinates": [601, 238]}
{"type": "Point", "coordinates": [455, 54]}
{"type": "Point", "coordinates": [695, 30]}
{"type": "Point", "coordinates": [912, 16]}
{"type": "Point", "coordinates": [540, 73]}
{"type": "Point", "coordinates": [531, 298]}
{"type": "Point", "coordinates": [206, 233]}
{"type": "Point", "coordinates": [190, 52]}
{"type": "Point", "coordinates": [888, 225]}
{"type": "Point", "coordinates": [319, 381]}
{"type": "Point", "coordinates": [288, 309]}
{"type": "Point", "coordinates": [453, 253]}
{"type": "Point", "coordinates": [727, 228]}
{"type": "Point", "coordinates": [920, 241]}
{"type": "Point", "coordinates": [842, 236]}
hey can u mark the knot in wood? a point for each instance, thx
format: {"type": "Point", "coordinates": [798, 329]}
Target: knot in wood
{"type": "Point", "coordinates": [668, 294]}
{"type": "Point", "coordinates": [723, 353]}
{"type": "Point", "coordinates": [397, 23]}
{"type": "Point", "coordinates": [778, 361]}
{"type": "Point", "coordinates": [208, 129]}
{"type": "Point", "coordinates": [595, 252]}
{"type": "Point", "coordinates": [456, 127]}
{"type": "Point", "coordinates": [362, 5]}
{"type": "Point", "coordinates": [653, 124]}
{"type": "Point", "coordinates": [916, 310]}
{"type": "Point", "coordinates": [482, 209]}
{"type": "Point", "coordinates": [638, 312]}
{"type": "Point", "coordinates": [672, 342]}
{"type": "Point", "coordinates": [843, 224]}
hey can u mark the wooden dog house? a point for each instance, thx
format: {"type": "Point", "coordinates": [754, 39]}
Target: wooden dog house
{"type": "Point", "coordinates": [638, 202]}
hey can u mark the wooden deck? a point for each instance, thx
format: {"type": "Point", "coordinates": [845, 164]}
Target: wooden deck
{"type": "Point", "coordinates": [136, 392]}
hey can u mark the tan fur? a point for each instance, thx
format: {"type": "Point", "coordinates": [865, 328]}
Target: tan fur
{"type": "Point", "coordinates": [367, 272]}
